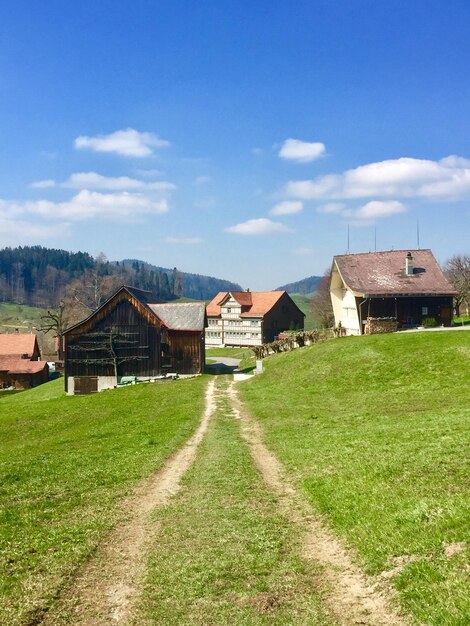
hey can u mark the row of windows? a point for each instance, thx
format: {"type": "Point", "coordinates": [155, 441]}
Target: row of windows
{"type": "Point", "coordinates": [235, 322]}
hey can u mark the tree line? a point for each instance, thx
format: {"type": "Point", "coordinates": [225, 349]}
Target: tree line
{"type": "Point", "coordinates": [43, 277]}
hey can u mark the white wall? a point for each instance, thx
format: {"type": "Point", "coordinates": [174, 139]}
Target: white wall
{"type": "Point", "coordinates": [104, 382]}
{"type": "Point", "coordinates": [344, 305]}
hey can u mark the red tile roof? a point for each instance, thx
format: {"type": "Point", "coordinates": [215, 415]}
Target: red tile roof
{"type": "Point", "coordinates": [21, 366]}
{"type": "Point", "coordinates": [16, 344]}
{"type": "Point", "coordinates": [383, 274]}
{"type": "Point", "coordinates": [254, 303]}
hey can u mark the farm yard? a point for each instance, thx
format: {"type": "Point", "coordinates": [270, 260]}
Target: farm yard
{"type": "Point", "coordinates": [355, 449]}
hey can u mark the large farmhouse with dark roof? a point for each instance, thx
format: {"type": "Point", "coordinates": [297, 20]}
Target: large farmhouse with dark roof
{"type": "Point", "coordinates": [250, 318]}
{"type": "Point", "coordinates": [406, 286]}
{"type": "Point", "coordinates": [132, 336]}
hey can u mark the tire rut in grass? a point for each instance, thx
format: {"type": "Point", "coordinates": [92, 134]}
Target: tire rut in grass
{"type": "Point", "coordinates": [225, 552]}
{"type": "Point", "coordinates": [352, 597]}
{"type": "Point", "coordinates": [104, 591]}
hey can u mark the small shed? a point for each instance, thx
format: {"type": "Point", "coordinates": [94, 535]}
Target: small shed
{"type": "Point", "coordinates": [133, 335]}
{"type": "Point", "coordinates": [22, 373]}
{"type": "Point", "coordinates": [403, 287]}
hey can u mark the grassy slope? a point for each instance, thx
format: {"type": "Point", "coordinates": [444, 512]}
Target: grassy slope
{"type": "Point", "coordinates": [64, 462]}
{"type": "Point", "coordinates": [225, 555]}
{"type": "Point", "coordinates": [376, 429]}
{"type": "Point", "coordinates": [19, 316]}
{"type": "Point", "coordinates": [304, 302]}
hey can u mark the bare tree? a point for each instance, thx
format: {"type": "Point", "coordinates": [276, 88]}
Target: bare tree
{"type": "Point", "coordinates": [322, 308]}
{"type": "Point", "coordinates": [87, 293]}
{"type": "Point", "coordinates": [457, 270]}
{"type": "Point", "coordinates": [56, 321]}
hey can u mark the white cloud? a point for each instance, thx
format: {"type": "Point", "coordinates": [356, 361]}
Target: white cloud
{"type": "Point", "coordinates": [202, 180]}
{"type": "Point", "coordinates": [367, 213]}
{"type": "Point", "coordinates": [151, 173]}
{"type": "Point", "coordinates": [128, 142]}
{"type": "Point", "coordinates": [303, 251]}
{"type": "Point", "coordinates": [331, 207]}
{"type": "Point", "coordinates": [185, 240]}
{"type": "Point", "coordinates": [447, 179]}
{"type": "Point", "coordinates": [43, 184]}
{"type": "Point", "coordinates": [288, 207]}
{"type": "Point", "coordinates": [87, 204]}
{"type": "Point", "coordinates": [260, 226]}
{"type": "Point", "coordinates": [301, 151]}
{"type": "Point", "coordinates": [14, 232]}
{"type": "Point", "coordinates": [377, 208]}
{"type": "Point", "coordinates": [93, 180]}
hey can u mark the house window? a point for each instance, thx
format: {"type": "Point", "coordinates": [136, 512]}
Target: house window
{"type": "Point", "coordinates": [424, 310]}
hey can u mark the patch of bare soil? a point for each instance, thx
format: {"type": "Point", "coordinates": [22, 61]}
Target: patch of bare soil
{"type": "Point", "coordinates": [352, 597]}
{"type": "Point", "coordinates": [104, 591]}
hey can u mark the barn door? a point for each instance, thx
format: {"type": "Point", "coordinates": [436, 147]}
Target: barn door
{"type": "Point", "coordinates": [85, 384]}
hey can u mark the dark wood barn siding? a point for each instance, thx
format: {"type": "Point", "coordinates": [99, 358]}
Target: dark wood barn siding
{"type": "Point", "coordinates": [408, 310]}
{"type": "Point", "coordinates": [185, 354]}
{"type": "Point", "coordinates": [124, 331]}
{"type": "Point", "coordinates": [285, 315]}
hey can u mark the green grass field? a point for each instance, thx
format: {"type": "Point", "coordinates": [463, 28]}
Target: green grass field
{"type": "Point", "coordinates": [304, 302]}
{"type": "Point", "coordinates": [64, 464]}
{"type": "Point", "coordinates": [376, 432]}
{"type": "Point", "coordinates": [225, 555]}
{"type": "Point", "coordinates": [19, 316]}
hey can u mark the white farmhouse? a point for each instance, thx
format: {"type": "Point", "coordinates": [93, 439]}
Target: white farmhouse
{"type": "Point", "coordinates": [250, 318]}
{"type": "Point", "coordinates": [400, 286]}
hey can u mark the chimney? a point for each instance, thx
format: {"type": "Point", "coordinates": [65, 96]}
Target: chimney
{"type": "Point", "coordinates": [409, 267]}
{"type": "Point", "coordinates": [247, 290]}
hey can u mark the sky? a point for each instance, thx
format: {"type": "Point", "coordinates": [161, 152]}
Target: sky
{"type": "Point", "coordinates": [250, 141]}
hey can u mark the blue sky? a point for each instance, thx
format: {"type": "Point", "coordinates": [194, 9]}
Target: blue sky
{"type": "Point", "coordinates": [237, 139]}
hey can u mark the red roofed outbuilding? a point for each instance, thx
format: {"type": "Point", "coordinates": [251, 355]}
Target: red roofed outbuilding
{"type": "Point", "coordinates": [20, 366]}
{"type": "Point", "coordinates": [250, 318]}
{"type": "Point", "coordinates": [21, 345]}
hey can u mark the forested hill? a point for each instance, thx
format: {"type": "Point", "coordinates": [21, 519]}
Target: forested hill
{"type": "Point", "coordinates": [189, 285]}
{"type": "Point", "coordinates": [39, 276]}
{"type": "Point", "coordinates": [307, 285]}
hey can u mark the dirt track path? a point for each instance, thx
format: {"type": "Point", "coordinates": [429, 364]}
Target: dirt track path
{"type": "Point", "coordinates": [351, 597]}
{"type": "Point", "coordinates": [104, 591]}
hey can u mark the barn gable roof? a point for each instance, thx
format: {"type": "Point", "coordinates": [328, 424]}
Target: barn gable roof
{"type": "Point", "coordinates": [382, 274]}
{"type": "Point", "coordinates": [181, 315]}
{"type": "Point", "coordinates": [17, 344]}
{"type": "Point", "coordinates": [175, 315]}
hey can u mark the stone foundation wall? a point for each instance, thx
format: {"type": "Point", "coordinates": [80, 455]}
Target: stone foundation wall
{"type": "Point", "coordinates": [377, 325]}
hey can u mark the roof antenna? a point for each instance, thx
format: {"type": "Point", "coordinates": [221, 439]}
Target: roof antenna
{"type": "Point", "coordinates": [417, 233]}
{"type": "Point", "coordinates": [375, 239]}
{"type": "Point", "coordinates": [348, 241]}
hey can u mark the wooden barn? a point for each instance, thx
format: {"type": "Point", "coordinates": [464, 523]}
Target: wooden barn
{"type": "Point", "coordinates": [131, 337]}
{"type": "Point", "coordinates": [389, 290]}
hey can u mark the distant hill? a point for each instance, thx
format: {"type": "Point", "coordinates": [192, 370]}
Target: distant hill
{"type": "Point", "coordinates": [195, 286]}
{"type": "Point", "coordinates": [305, 286]}
{"type": "Point", "coordinates": [39, 277]}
